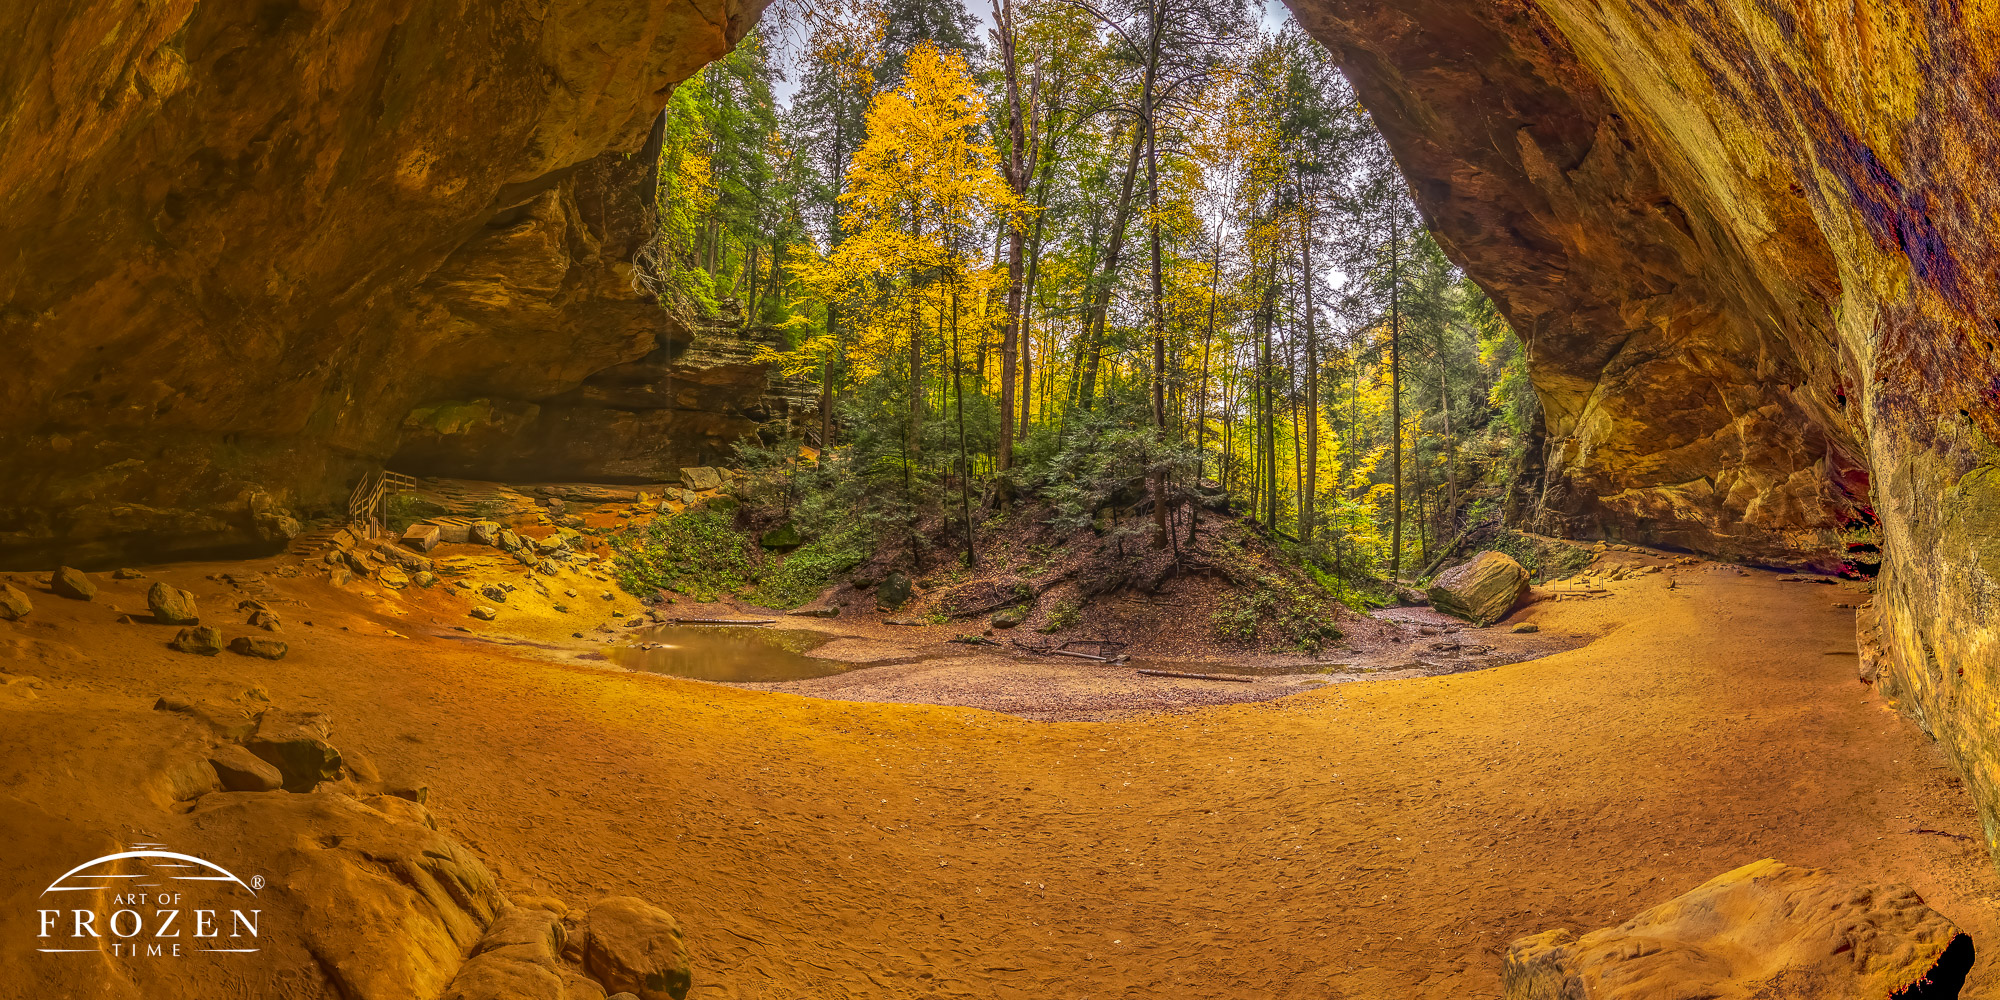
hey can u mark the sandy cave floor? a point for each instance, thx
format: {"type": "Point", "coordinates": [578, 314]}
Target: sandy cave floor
{"type": "Point", "coordinates": [1382, 838]}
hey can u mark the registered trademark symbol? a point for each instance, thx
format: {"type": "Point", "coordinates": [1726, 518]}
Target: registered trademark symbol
{"type": "Point", "coordinates": [256, 881]}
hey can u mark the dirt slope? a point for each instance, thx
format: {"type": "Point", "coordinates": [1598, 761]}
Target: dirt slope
{"type": "Point", "coordinates": [1376, 839]}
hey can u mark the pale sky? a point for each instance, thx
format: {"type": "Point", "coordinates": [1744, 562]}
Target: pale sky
{"type": "Point", "coordinates": [1275, 16]}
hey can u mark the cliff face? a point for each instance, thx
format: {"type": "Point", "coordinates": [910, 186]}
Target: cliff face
{"type": "Point", "coordinates": [245, 240]}
{"type": "Point", "coordinates": [687, 403]}
{"type": "Point", "coordinates": [1750, 245]}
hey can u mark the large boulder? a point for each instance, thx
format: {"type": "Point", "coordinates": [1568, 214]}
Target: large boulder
{"type": "Point", "coordinates": [893, 592]}
{"type": "Point", "coordinates": [1480, 590]}
{"type": "Point", "coordinates": [201, 640]}
{"type": "Point", "coordinates": [243, 771]}
{"type": "Point", "coordinates": [701, 479]}
{"type": "Point", "coordinates": [296, 744]}
{"type": "Point", "coordinates": [633, 946]}
{"type": "Point", "coordinates": [14, 604]}
{"type": "Point", "coordinates": [171, 606]}
{"type": "Point", "coordinates": [73, 583]}
{"type": "Point", "coordinates": [516, 959]}
{"type": "Point", "coordinates": [266, 649]}
{"type": "Point", "coordinates": [1764, 930]}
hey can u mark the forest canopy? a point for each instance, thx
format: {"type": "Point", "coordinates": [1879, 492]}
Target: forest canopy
{"type": "Point", "coordinates": [1139, 254]}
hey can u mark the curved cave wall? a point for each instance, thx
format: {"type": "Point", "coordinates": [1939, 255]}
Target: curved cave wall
{"type": "Point", "coordinates": [1749, 244]}
{"type": "Point", "coordinates": [244, 240]}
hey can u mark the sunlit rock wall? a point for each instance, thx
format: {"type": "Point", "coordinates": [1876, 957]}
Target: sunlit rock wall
{"type": "Point", "coordinates": [1750, 246]}
{"type": "Point", "coordinates": [244, 240]}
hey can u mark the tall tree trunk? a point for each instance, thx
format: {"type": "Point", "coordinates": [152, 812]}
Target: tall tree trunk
{"type": "Point", "coordinates": [1101, 301]}
{"type": "Point", "coordinates": [1034, 272]}
{"type": "Point", "coordinates": [1450, 471]}
{"type": "Point", "coordinates": [1396, 386]}
{"type": "Point", "coordinates": [916, 434]}
{"type": "Point", "coordinates": [1270, 386]}
{"type": "Point", "coordinates": [1017, 172]}
{"type": "Point", "coordinates": [1158, 310]}
{"type": "Point", "coordinates": [1292, 403]}
{"type": "Point", "coordinates": [826, 379]}
{"type": "Point", "coordinates": [1309, 513]}
{"type": "Point", "coordinates": [1201, 391]}
{"type": "Point", "coordinates": [964, 463]}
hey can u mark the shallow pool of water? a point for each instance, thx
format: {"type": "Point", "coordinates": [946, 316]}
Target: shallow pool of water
{"type": "Point", "coordinates": [730, 653]}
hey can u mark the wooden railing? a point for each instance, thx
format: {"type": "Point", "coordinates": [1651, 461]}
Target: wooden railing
{"type": "Point", "coordinates": [364, 505]}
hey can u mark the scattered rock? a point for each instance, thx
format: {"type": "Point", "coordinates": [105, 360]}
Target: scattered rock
{"type": "Point", "coordinates": [507, 540]}
{"type": "Point", "coordinates": [127, 574]}
{"type": "Point", "coordinates": [894, 591]}
{"type": "Point", "coordinates": [243, 771]}
{"type": "Point", "coordinates": [14, 605]}
{"type": "Point", "coordinates": [635, 947]}
{"type": "Point", "coordinates": [225, 720]}
{"type": "Point", "coordinates": [493, 592]}
{"type": "Point", "coordinates": [1010, 617]}
{"type": "Point", "coordinates": [266, 620]}
{"type": "Point", "coordinates": [1526, 627]}
{"type": "Point", "coordinates": [484, 613]}
{"type": "Point", "coordinates": [203, 640]}
{"type": "Point", "coordinates": [393, 578]}
{"type": "Point", "coordinates": [1765, 929]}
{"type": "Point", "coordinates": [425, 579]}
{"type": "Point", "coordinates": [609, 595]}
{"type": "Point", "coordinates": [833, 612]}
{"type": "Point", "coordinates": [701, 479]}
{"type": "Point", "coordinates": [483, 532]}
{"type": "Point", "coordinates": [296, 744]}
{"type": "Point", "coordinates": [1480, 590]}
{"type": "Point", "coordinates": [263, 649]}
{"type": "Point", "coordinates": [72, 583]}
{"type": "Point", "coordinates": [516, 959]}
{"type": "Point", "coordinates": [171, 606]}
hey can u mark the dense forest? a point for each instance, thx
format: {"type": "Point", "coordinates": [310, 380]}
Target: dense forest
{"type": "Point", "coordinates": [1135, 256]}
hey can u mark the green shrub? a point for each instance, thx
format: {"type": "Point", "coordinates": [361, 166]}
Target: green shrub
{"type": "Point", "coordinates": [1065, 615]}
{"type": "Point", "coordinates": [1295, 618]}
{"type": "Point", "coordinates": [810, 569]}
{"type": "Point", "coordinates": [400, 510]}
{"type": "Point", "coordinates": [697, 552]}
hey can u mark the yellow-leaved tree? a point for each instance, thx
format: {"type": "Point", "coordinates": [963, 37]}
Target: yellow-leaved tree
{"type": "Point", "coordinates": [923, 190]}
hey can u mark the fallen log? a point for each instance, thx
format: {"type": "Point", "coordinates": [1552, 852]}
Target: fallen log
{"type": "Point", "coordinates": [1081, 656]}
{"type": "Point", "coordinates": [1197, 677]}
{"type": "Point", "coordinates": [725, 621]}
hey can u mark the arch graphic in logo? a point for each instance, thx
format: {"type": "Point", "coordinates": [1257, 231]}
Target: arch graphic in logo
{"type": "Point", "coordinates": [163, 904]}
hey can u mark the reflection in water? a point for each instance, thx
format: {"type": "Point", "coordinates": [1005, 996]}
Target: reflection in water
{"type": "Point", "coordinates": [727, 653]}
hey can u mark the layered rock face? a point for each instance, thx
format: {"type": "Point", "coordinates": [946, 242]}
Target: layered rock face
{"type": "Point", "coordinates": [687, 403]}
{"type": "Point", "coordinates": [1749, 244]}
{"type": "Point", "coordinates": [245, 240]}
